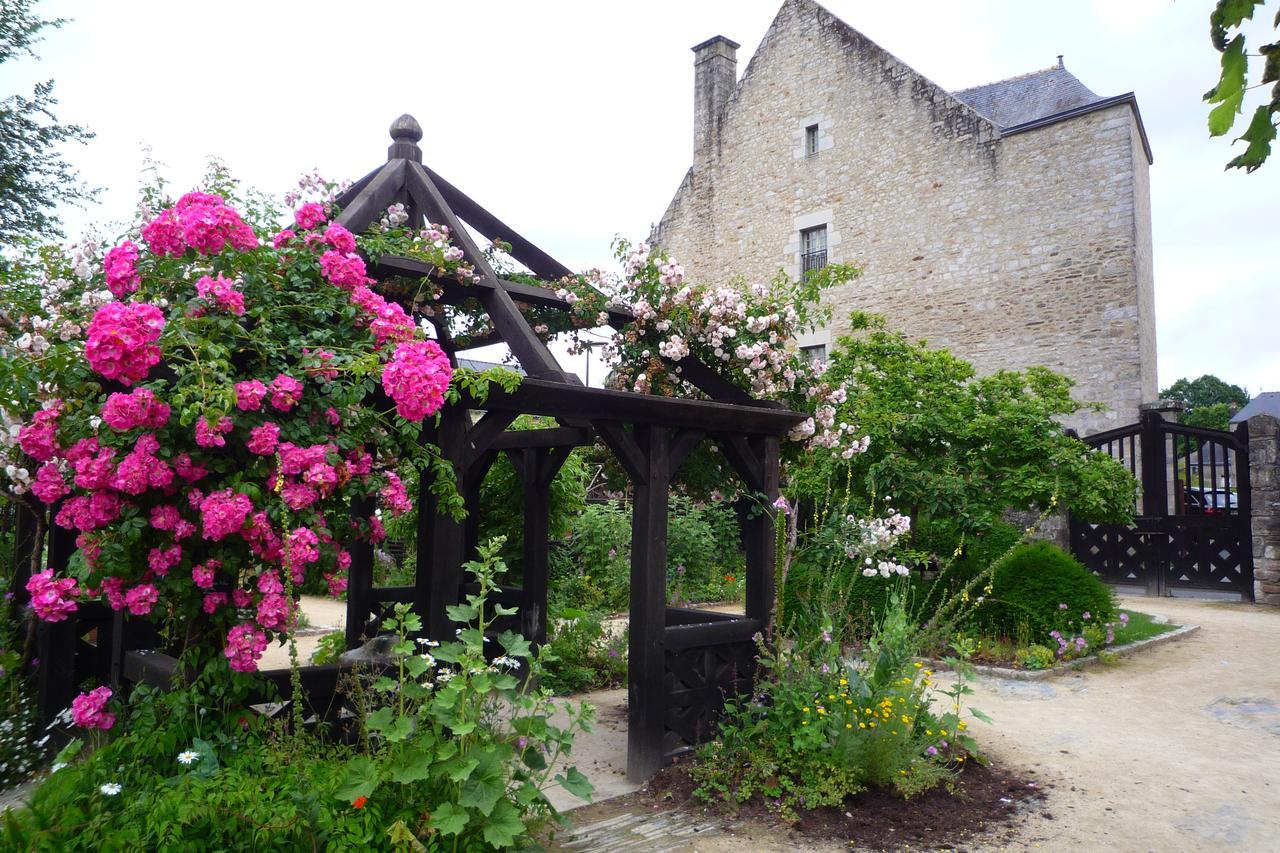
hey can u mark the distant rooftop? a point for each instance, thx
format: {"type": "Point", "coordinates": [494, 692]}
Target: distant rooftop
{"type": "Point", "coordinates": [481, 366]}
{"type": "Point", "coordinates": [1029, 97]}
{"type": "Point", "coordinates": [1041, 97]}
{"type": "Point", "coordinates": [1266, 403]}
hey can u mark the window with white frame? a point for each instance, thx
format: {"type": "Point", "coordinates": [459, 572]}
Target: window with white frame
{"type": "Point", "coordinates": [813, 249]}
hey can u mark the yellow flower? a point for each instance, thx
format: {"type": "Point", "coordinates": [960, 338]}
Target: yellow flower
{"type": "Point", "coordinates": [902, 772]}
{"type": "Point", "coordinates": [962, 726]}
{"type": "Point", "coordinates": [822, 710]}
{"type": "Point", "coordinates": [872, 724]}
{"type": "Point", "coordinates": [848, 725]}
{"type": "Point", "coordinates": [929, 732]}
{"type": "Point", "coordinates": [863, 725]}
{"type": "Point", "coordinates": [806, 710]}
{"type": "Point", "coordinates": [831, 695]}
{"type": "Point", "coordinates": [894, 732]}
{"type": "Point", "coordinates": [804, 722]}
{"type": "Point", "coordinates": [848, 701]}
{"type": "Point", "coordinates": [843, 682]}
{"type": "Point", "coordinates": [906, 721]}
{"type": "Point", "coordinates": [919, 665]}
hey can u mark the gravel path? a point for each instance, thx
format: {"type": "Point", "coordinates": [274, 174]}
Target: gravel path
{"type": "Point", "coordinates": [1177, 748]}
{"type": "Point", "coordinates": [1174, 749]}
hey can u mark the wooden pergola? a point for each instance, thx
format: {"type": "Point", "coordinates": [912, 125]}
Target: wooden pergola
{"type": "Point", "coordinates": [682, 662]}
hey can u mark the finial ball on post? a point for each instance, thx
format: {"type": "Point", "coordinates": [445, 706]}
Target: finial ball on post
{"type": "Point", "coordinates": [406, 129]}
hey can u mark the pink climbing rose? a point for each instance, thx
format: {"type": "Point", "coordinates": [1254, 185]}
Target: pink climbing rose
{"type": "Point", "coordinates": [121, 340]}
{"type": "Point", "coordinates": [89, 710]}
{"type": "Point", "coordinates": [245, 645]}
{"type": "Point", "coordinates": [309, 215]}
{"type": "Point", "coordinates": [416, 378]}
{"type": "Point", "coordinates": [51, 598]}
{"type": "Point", "coordinates": [120, 266]}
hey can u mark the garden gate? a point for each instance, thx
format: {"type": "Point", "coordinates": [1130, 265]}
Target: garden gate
{"type": "Point", "coordinates": [1191, 521]}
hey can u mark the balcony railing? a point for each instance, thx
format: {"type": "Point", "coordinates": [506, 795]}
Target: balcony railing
{"type": "Point", "coordinates": [814, 260]}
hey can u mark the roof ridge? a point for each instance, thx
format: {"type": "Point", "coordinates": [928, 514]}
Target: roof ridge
{"type": "Point", "coordinates": [1023, 76]}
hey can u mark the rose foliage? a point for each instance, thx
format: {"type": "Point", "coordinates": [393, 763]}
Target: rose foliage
{"type": "Point", "coordinates": [205, 404]}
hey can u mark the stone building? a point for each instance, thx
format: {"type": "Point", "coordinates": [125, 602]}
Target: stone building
{"type": "Point", "coordinates": [1010, 223]}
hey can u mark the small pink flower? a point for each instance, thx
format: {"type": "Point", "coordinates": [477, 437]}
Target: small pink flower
{"type": "Point", "coordinates": [120, 265]}
{"type": "Point", "coordinates": [309, 215]}
{"type": "Point", "coordinates": [212, 601]}
{"type": "Point", "coordinates": [285, 392]}
{"type": "Point", "coordinates": [340, 238]}
{"type": "Point", "coordinates": [141, 599]}
{"type": "Point", "coordinates": [245, 645]}
{"type": "Point", "coordinates": [250, 394]}
{"type": "Point", "coordinates": [88, 710]}
{"type": "Point", "coordinates": [264, 439]}
{"type": "Point", "coordinates": [211, 435]}
{"type": "Point", "coordinates": [282, 239]}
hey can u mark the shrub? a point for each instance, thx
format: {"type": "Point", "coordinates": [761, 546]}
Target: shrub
{"type": "Point", "coordinates": [579, 656]}
{"type": "Point", "coordinates": [1044, 588]}
{"type": "Point", "coordinates": [455, 751]}
{"type": "Point", "coordinates": [821, 728]}
{"type": "Point", "coordinates": [1037, 657]}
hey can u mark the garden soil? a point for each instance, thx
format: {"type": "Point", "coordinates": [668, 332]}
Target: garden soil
{"type": "Point", "coordinates": [1176, 748]}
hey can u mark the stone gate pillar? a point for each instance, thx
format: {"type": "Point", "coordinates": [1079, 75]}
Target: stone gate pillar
{"type": "Point", "coordinates": [1264, 476]}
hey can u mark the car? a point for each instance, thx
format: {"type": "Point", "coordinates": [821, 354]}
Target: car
{"type": "Point", "coordinates": [1200, 501]}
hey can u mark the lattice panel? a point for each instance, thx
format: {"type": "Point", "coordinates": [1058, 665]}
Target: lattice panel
{"type": "Point", "coordinates": [1209, 557]}
{"type": "Point", "coordinates": [697, 681]}
{"type": "Point", "coordinates": [1115, 553]}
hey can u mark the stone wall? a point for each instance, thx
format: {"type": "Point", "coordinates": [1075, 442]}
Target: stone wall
{"type": "Point", "coordinates": [1026, 249]}
{"type": "Point", "coordinates": [1264, 480]}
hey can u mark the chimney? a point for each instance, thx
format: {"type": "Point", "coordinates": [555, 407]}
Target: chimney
{"type": "Point", "coordinates": [715, 73]}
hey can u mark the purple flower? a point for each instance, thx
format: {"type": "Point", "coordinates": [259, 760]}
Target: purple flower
{"type": "Point", "coordinates": [1124, 617]}
{"type": "Point", "coordinates": [1062, 607]}
{"type": "Point", "coordinates": [782, 505]}
{"type": "Point", "coordinates": [826, 636]}
{"type": "Point", "coordinates": [931, 751]}
{"type": "Point", "coordinates": [1085, 615]}
{"type": "Point", "coordinates": [522, 742]}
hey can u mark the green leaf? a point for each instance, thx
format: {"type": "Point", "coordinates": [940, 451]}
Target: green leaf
{"type": "Point", "coordinates": [1260, 134]}
{"type": "Point", "coordinates": [359, 779]}
{"type": "Point", "coordinates": [462, 612]}
{"type": "Point", "coordinates": [411, 765]}
{"type": "Point", "coordinates": [576, 783]}
{"type": "Point", "coordinates": [379, 719]}
{"type": "Point", "coordinates": [416, 666]}
{"type": "Point", "coordinates": [448, 819]}
{"type": "Point", "coordinates": [515, 645]}
{"type": "Point", "coordinates": [1229, 93]}
{"type": "Point", "coordinates": [402, 838]}
{"type": "Point", "coordinates": [980, 715]}
{"type": "Point", "coordinates": [460, 770]}
{"type": "Point", "coordinates": [485, 786]}
{"type": "Point", "coordinates": [400, 729]}
{"type": "Point", "coordinates": [504, 826]}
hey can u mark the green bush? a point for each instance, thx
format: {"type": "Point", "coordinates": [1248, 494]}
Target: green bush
{"type": "Point", "coordinates": [1031, 586]}
{"type": "Point", "coordinates": [579, 656]}
{"type": "Point", "coordinates": [591, 569]}
{"type": "Point", "coordinates": [821, 727]}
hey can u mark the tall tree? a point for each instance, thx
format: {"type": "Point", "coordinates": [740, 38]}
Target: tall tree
{"type": "Point", "coordinates": [34, 176]}
{"type": "Point", "coordinates": [1228, 95]}
{"type": "Point", "coordinates": [1210, 402]}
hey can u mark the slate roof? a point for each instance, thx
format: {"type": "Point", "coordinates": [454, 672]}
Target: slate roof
{"type": "Point", "coordinates": [1029, 97]}
{"type": "Point", "coordinates": [1266, 403]}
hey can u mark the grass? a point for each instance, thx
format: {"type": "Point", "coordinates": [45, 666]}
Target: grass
{"type": "Point", "coordinates": [1142, 626]}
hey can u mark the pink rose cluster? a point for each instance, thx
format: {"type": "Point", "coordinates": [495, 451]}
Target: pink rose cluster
{"type": "Point", "coordinates": [245, 644]}
{"type": "Point", "coordinates": [52, 598]}
{"type": "Point", "coordinates": [137, 409]}
{"type": "Point", "coordinates": [211, 434]}
{"type": "Point", "coordinates": [307, 473]}
{"type": "Point", "coordinates": [120, 266]}
{"type": "Point", "coordinates": [221, 291]}
{"type": "Point", "coordinates": [286, 392]}
{"type": "Point", "coordinates": [121, 342]}
{"type": "Point", "coordinates": [141, 469]}
{"type": "Point", "coordinates": [309, 215]}
{"type": "Point", "coordinates": [223, 513]}
{"type": "Point", "coordinates": [39, 439]}
{"type": "Point", "coordinates": [201, 221]}
{"type": "Point", "coordinates": [416, 378]}
{"type": "Point", "coordinates": [89, 710]}
{"type": "Point", "coordinates": [387, 320]}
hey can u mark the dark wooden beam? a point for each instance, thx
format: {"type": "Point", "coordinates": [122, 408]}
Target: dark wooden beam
{"type": "Point", "coordinates": [441, 540]}
{"type": "Point", "coordinates": [455, 292]}
{"type": "Point", "coordinates": [526, 346]}
{"type": "Point", "coordinates": [624, 447]}
{"type": "Point", "coordinates": [685, 443]}
{"type": "Point", "coordinates": [480, 435]}
{"type": "Point", "coordinates": [359, 579]}
{"type": "Point", "coordinates": [524, 251]}
{"type": "Point", "coordinates": [759, 540]}
{"type": "Point", "coordinates": [348, 195]}
{"type": "Point", "coordinates": [646, 663]}
{"type": "Point", "coordinates": [560, 400]}
{"type": "Point", "coordinates": [369, 204]}
{"type": "Point", "coordinates": [745, 460]}
{"type": "Point", "coordinates": [549, 437]}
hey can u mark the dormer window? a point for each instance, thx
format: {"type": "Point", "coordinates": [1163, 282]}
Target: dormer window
{"type": "Point", "coordinates": [811, 140]}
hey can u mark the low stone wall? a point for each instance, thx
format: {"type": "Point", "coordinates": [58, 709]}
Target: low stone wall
{"type": "Point", "coordinates": [1264, 479]}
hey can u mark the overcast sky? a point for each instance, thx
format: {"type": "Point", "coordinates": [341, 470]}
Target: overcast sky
{"type": "Point", "coordinates": [573, 121]}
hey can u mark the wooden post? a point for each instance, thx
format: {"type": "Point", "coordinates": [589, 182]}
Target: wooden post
{"type": "Point", "coordinates": [441, 540]}
{"type": "Point", "coordinates": [359, 579]}
{"type": "Point", "coordinates": [1155, 498]}
{"type": "Point", "coordinates": [759, 540]}
{"type": "Point", "coordinates": [56, 642]}
{"type": "Point", "coordinates": [536, 467]}
{"type": "Point", "coordinates": [646, 694]}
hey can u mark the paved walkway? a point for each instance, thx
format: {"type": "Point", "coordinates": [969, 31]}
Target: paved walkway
{"type": "Point", "coordinates": [1173, 749]}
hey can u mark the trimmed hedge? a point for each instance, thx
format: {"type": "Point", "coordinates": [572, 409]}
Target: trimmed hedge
{"type": "Point", "coordinates": [1029, 588]}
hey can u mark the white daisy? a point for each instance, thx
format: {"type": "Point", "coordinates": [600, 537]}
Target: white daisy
{"type": "Point", "coordinates": [110, 789]}
{"type": "Point", "coordinates": [188, 757]}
